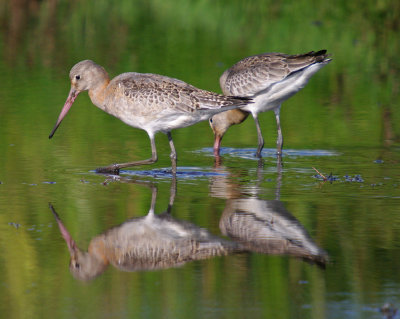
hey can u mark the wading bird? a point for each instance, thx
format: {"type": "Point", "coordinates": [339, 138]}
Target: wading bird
{"type": "Point", "coordinates": [269, 79]}
{"type": "Point", "coordinates": [150, 102]}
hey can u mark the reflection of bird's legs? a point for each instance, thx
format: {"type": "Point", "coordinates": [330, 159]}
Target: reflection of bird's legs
{"type": "Point", "coordinates": [278, 178]}
{"type": "Point", "coordinates": [172, 194]}
{"type": "Point", "coordinates": [260, 163]}
{"type": "Point", "coordinates": [217, 160]}
{"type": "Point", "coordinates": [153, 199]}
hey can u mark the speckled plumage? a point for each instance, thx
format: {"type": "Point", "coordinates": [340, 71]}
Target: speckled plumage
{"type": "Point", "coordinates": [155, 241]}
{"type": "Point", "coordinates": [157, 103]}
{"type": "Point", "coordinates": [269, 79]}
{"type": "Point", "coordinates": [151, 102]}
{"type": "Point", "coordinates": [265, 226]}
{"type": "Point", "coordinates": [254, 74]}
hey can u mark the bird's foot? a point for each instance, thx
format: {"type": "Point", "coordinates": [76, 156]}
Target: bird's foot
{"type": "Point", "coordinates": [258, 154]}
{"type": "Point", "coordinates": [112, 169]}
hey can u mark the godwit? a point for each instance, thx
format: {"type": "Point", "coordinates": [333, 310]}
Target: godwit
{"type": "Point", "coordinates": [269, 79]}
{"type": "Point", "coordinates": [151, 102]}
{"type": "Point", "coordinates": [155, 241]}
{"type": "Point", "coordinates": [265, 226]}
{"type": "Point", "coordinates": [260, 225]}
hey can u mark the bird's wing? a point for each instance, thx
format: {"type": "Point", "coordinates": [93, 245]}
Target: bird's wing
{"type": "Point", "coordinates": [257, 73]}
{"type": "Point", "coordinates": [162, 92]}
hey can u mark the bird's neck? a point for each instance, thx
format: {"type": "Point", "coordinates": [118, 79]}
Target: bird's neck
{"type": "Point", "coordinates": [98, 250]}
{"type": "Point", "coordinates": [97, 94]}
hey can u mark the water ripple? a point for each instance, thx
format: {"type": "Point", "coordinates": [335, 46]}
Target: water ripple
{"type": "Point", "coordinates": [248, 153]}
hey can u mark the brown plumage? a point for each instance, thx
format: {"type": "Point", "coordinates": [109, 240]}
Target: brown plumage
{"type": "Point", "coordinates": [150, 102]}
{"type": "Point", "coordinates": [269, 79]}
{"type": "Point", "coordinates": [155, 241]}
{"type": "Point", "coordinates": [265, 226]}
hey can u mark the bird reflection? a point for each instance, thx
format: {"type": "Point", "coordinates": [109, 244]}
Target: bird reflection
{"type": "Point", "coordinates": [263, 226]}
{"type": "Point", "coordinates": [155, 241]}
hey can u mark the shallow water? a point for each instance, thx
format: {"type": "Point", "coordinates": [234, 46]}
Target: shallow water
{"type": "Point", "coordinates": [354, 220]}
{"type": "Point", "coordinates": [318, 237]}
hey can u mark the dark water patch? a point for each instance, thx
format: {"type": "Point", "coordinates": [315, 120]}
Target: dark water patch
{"type": "Point", "coordinates": [355, 178]}
{"type": "Point", "coordinates": [346, 178]}
{"type": "Point", "coordinates": [249, 153]}
{"type": "Point", "coordinates": [330, 178]}
{"type": "Point", "coordinates": [182, 173]}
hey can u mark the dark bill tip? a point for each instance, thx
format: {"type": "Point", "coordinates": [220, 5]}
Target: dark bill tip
{"type": "Point", "coordinates": [52, 132]}
{"type": "Point", "coordinates": [68, 103]}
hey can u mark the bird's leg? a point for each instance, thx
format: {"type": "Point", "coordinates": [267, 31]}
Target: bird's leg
{"type": "Point", "coordinates": [279, 140]}
{"type": "Point", "coordinates": [173, 153]}
{"type": "Point", "coordinates": [260, 137]}
{"type": "Point", "coordinates": [114, 168]}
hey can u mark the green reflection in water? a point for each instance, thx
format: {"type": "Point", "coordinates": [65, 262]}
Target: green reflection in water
{"type": "Point", "coordinates": [350, 107]}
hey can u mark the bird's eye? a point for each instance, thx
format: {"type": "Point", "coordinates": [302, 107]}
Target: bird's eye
{"type": "Point", "coordinates": [77, 77]}
{"type": "Point", "coordinates": [210, 120]}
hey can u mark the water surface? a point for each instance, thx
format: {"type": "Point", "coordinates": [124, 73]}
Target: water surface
{"type": "Point", "coordinates": [344, 124]}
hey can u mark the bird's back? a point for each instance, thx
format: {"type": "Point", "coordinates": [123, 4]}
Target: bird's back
{"type": "Point", "coordinates": [160, 103]}
{"type": "Point", "coordinates": [257, 73]}
{"type": "Point", "coordinates": [160, 241]}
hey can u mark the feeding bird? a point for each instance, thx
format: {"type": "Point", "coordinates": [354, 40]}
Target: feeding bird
{"type": "Point", "coordinates": [150, 102]}
{"type": "Point", "coordinates": [269, 79]}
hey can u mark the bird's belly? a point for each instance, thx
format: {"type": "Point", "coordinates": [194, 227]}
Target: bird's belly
{"type": "Point", "coordinates": [168, 122]}
{"type": "Point", "coordinates": [164, 121]}
{"type": "Point", "coordinates": [280, 91]}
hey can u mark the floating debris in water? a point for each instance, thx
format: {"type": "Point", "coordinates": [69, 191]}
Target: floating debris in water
{"type": "Point", "coordinates": [331, 178]}
{"type": "Point", "coordinates": [356, 178]}
{"type": "Point", "coordinates": [16, 225]}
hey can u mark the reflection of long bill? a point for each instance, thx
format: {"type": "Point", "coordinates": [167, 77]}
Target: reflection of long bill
{"type": "Point", "coordinates": [64, 232]}
{"type": "Point", "coordinates": [73, 93]}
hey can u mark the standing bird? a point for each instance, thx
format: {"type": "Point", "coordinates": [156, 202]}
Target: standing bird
{"type": "Point", "coordinates": [269, 79]}
{"type": "Point", "coordinates": [151, 102]}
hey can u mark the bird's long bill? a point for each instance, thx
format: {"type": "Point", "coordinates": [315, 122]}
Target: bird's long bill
{"type": "Point", "coordinates": [68, 103]}
{"type": "Point", "coordinates": [64, 232]}
{"type": "Point", "coordinates": [217, 144]}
